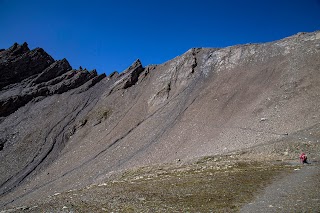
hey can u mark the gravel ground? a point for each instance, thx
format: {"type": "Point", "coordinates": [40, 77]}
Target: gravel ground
{"type": "Point", "coordinates": [297, 192]}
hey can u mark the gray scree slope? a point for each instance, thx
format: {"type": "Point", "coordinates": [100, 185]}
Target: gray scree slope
{"type": "Point", "coordinates": [63, 129]}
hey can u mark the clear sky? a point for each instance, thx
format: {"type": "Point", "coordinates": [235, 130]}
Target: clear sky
{"type": "Point", "coordinates": [110, 35]}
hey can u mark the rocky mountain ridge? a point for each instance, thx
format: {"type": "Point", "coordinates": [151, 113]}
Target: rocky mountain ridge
{"type": "Point", "coordinates": [28, 74]}
{"type": "Point", "coordinates": [64, 129]}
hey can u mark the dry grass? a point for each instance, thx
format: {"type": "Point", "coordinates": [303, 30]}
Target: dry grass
{"type": "Point", "coordinates": [220, 184]}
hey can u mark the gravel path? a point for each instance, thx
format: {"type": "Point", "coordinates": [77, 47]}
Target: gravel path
{"type": "Point", "coordinates": [297, 192]}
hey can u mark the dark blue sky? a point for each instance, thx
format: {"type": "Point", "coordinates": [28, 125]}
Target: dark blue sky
{"type": "Point", "coordinates": [110, 35]}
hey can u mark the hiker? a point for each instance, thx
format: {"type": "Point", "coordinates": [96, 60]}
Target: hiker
{"type": "Point", "coordinates": [303, 158]}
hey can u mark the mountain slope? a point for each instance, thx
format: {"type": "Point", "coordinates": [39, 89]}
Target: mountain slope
{"type": "Point", "coordinates": [64, 129]}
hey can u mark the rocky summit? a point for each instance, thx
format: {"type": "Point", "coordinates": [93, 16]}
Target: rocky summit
{"type": "Point", "coordinates": [64, 129]}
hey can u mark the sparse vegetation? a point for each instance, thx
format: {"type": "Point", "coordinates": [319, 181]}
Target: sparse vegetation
{"type": "Point", "coordinates": [106, 113]}
{"type": "Point", "coordinates": [99, 115]}
{"type": "Point", "coordinates": [220, 184]}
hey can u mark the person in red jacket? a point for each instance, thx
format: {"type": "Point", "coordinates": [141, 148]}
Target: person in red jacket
{"type": "Point", "coordinates": [303, 158]}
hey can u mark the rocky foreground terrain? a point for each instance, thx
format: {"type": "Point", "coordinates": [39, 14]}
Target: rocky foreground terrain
{"type": "Point", "coordinates": [211, 130]}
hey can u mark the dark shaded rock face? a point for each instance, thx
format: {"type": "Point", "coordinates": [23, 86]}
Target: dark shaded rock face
{"type": "Point", "coordinates": [27, 74]}
{"type": "Point", "coordinates": [56, 69]}
{"type": "Point", "coordinates": [18, 63]}
{"type": "Point", "coordinates": [64, 129]}
{"type": "Point", "coordinates": [134, 71]}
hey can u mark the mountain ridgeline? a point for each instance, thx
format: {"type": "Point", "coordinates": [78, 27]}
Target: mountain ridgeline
{"type": "Point", "coordinates": [64, 129]}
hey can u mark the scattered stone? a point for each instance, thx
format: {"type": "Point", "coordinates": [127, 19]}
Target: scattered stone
{"type": "Point", "coordinates": [141, 199]}
{"type": "Point", "coordinates": [102, 184]}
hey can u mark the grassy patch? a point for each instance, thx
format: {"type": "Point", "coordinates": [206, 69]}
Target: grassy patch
{"type": "Point", "coordinates": [207, 185]}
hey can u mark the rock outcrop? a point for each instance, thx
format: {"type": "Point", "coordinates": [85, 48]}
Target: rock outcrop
{"type": "Point", "coordinates": [64, 129]}
{"type": "Point", "coordinates": [28, 74]}
{"type": "Point", "coordinates": [134, 72]}
{"type": "Point", "coordinates": [18, 63]}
